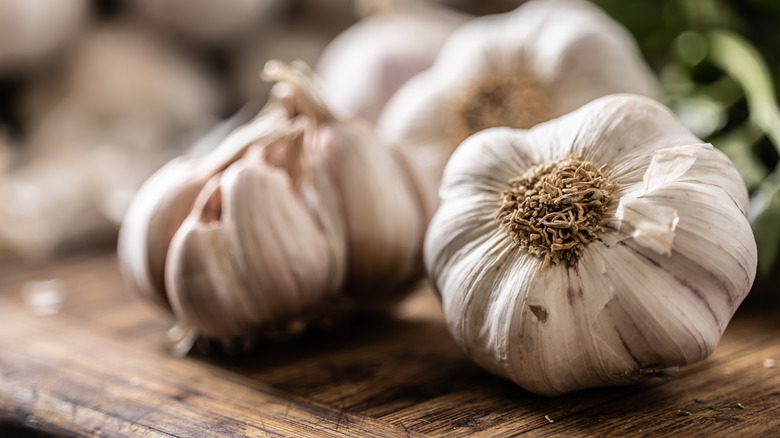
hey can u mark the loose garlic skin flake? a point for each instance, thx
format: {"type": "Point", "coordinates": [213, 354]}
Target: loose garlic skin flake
{"type": "Point", "coordinates": [542, 60]}
{"type": "Point", "coordinates": [655, 285]}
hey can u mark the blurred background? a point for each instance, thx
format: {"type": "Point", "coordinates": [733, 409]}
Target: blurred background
{"type": "Point", "coordinates": [95, 95]}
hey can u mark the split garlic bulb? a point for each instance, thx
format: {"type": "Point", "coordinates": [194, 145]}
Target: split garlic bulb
{"type": "Point", "coordinates": [540, 61]}
{"type": "Point", "coordinates": [288, 211]}
{"type": "Point", "coordinates": [262, 243]}
{"type": "Point", "coordinates": [366, 64]}
{"type": "Point", "coordinates": [590, 249]}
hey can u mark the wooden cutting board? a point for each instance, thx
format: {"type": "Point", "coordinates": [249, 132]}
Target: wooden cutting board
{"type": "Point", "coordinates": [100, 367]}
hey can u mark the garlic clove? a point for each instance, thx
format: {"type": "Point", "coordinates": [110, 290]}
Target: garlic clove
{"type": "Point", "coordinates": [166, 198]}
{"type": "Point", "coordinates": [202, 283]}
{"type": "Point", "coordinates": [516, 69]}
{"type": "Point", "coordinates": [157, 211]}
{"type": "Point", "coordinates": [254, 248]}
{"type": "Point", "coordinates": [304, 204]}
{"type": "Point", "coordinates": [378, 202]}
{"type": "Point", "coordinates": [671, 260]}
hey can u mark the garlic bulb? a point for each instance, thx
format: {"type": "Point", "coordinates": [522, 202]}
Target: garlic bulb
{"type": "Point", "coordinates": [540, 61]}
{"type": "Point", "coordinates": [36, 29]}
{"type": "Point", "coordinates": [210, 21]}
{"type": "Point", "coordinates": [367, 63]}
{"type": "Point", "coordinates": [127, 105]}
{"type": "Point", "coordinates": [590, 249]}
{"type": "Point", "coordinates": [288, 210]}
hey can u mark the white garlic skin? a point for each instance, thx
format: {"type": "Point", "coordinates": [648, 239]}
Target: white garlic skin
{"type": "Point", "coordinates": [655, 290]}
{"type": "Point", "coordinates": [366, 64]}
{"type": "Point", "coordinates": [573, 49]}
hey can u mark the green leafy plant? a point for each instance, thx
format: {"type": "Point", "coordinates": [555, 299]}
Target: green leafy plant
{"type": "Point", "coordinates": [718, 63]}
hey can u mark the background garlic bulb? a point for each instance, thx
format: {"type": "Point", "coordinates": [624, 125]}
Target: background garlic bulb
{"type": "Point", "coordinates": [366, 64]}
{"type": "Point", "coordinates": [209, 21]}
{"type": "Point", "coordinates": [590, 248]}
{"type": "Point", "coordinates": [35, 29]}
{"type": "Point", "coordinates": [125, 104]}
{"type": "Point", "coordinates": [290, 208]}
{"type": "Point", "coordinates": [540, 61]}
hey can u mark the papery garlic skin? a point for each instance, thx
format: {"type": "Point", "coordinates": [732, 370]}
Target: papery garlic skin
{"type": "Point", "coordinates": [656, 289]}
{"type": "Point", "coordinates": [366, 64]}
{"type": "Point", "coordinates": [544, 59]}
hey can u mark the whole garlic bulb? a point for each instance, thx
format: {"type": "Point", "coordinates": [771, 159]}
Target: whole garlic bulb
{"type": "Point", "coordinates": [542, 60]}
{"type": "Point", "coordinates": [289, 209]}
{"type": "Point", "coordinates": [366, 64]}
{"type": "Point", "coordinates": [591, 248]}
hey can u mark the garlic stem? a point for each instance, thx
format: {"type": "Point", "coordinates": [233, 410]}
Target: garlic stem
{"type": "Point", "coordinates": [308, 98]}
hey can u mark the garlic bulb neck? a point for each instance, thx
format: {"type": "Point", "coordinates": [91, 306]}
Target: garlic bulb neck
{"type": "Point", "coordinates": [555, 208]}
{"type": "Point", "coordinates": [504, 97]}
{"type": "Point", "coordinates": [300, 86]}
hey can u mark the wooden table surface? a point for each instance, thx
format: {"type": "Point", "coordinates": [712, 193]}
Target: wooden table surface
{"type": "Point", "coordinates": [100, 367]}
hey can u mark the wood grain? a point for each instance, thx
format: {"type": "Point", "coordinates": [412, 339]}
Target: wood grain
{"type": "Point", "coordinates": [100, 367]}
